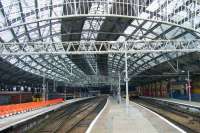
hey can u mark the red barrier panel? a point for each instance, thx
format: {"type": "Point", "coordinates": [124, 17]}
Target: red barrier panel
{"type": "Point", "coordinates": [7, 110]}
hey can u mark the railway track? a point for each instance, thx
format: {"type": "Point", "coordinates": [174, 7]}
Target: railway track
{"type": "Point", "coordinates": [69, 119]}
{"type": "Point", "coordinates": [189, 121]}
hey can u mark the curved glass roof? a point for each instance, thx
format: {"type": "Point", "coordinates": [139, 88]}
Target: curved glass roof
{"type": "Point", "coordinates": [46, 21]}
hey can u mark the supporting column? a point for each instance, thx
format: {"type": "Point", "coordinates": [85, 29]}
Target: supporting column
{"type": "Point", "coordinates": [189, 86]}
{"type": "Point", "coordinates": [44, 90]}
{"type": "Point", "coordinates": [20, 96]}
{"type": "Point", "coordinates": [126, 79]}
{"type": "Point", "coordinates": [54, 85]}
{"type": "Point", "coordinates": [111, 89]}
{"type": "Point", "coordinates": [47, 91]}
{"type": "Point", "coordinates": [119, 88]}
{"type": "Point", "coordinates": [74, 92]}
{"type": "Point", "coordinates": [65, 93]}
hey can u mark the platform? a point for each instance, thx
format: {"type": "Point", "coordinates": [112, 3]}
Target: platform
{"type": "Point", "coordinates": [117, 118]}
{"type": "Point", "coordinates": [176, 101]}
{"type": "Point", "coordinates": [19, 118]}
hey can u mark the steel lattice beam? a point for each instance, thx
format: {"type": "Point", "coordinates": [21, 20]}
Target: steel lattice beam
{"type": "Point", "coordinates": [100, 47]}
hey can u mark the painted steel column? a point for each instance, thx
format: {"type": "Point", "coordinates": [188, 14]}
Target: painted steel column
{"type": "Point", "coordinates": [47, 91]}
{"type": "Point", "coordinates": [119, 89]}
{"type": "Point", "coordinates": [126, 76]}
{"type": "Point", "coordinates": [189, 86]}
{"type": "Point", "coordinates": [20, 96]}
{"type": "Point", "coordinates": [65, 93]}
{"type": "Point", "coordinates": [54, 85]}
{"type": "Point", "coordinates": [74, 93]}
{"type": "Point", "coordinates": [44, 90]}
{"type": "Point", "coordinates": [111, 89]}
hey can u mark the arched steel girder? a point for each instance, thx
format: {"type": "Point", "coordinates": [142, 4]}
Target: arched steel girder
{"type": "Point", "coordinates": [50, 8]}
{"type": "Point", "coordinates": [161, 36]}
{"type": "Point", "coordinates": [18, 40]}
{"type": "Point", "coordinates": [147, 31]}
{"type": "Point", "coordinates": [131, 25]}
{"type": "Point", "coordinates": [30, 40]}
{"type": "Point", "coordinates": [37, 70]}
{"type": "Point", "coordinates": [114, 11]}
{"type": "Point", "coordinates": [98, 16]}
{"type": "Point", "coordinates": [150, 30]}
{"type": "Point", "coordinates": [27, 34]}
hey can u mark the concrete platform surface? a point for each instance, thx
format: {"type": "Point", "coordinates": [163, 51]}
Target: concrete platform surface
{"type": "Point", "coordinates": [117, 118]}
{"type": "Point", "coordinates": [177, 101]}
{"type": "Point", "coordinates": [19, 118]}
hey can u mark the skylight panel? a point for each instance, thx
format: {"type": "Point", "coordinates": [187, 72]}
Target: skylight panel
{"type": "Point", "coordinates": [159, 30]}
{"type": "Point", "coordinates": [196, 20]}
{"type": "Point", "coordinates": [57, 38]}
{"type": "Point", "coordinates": [42, 3]}
{"type": "Point", "coordinates": [93, 24]}
{"type": "Point", "coordinates": [129, 30]}
{"type": "Point", "coordinates": [6, 35]}
{"type": "Point", "coordinates": [10, 6]}
{"type": "Point", "coordinates": [56, 27]}
{"type": "Point", "coordinates": [121, 39]}
{"type": "Point", "coordinates": [179, 16]}
{"type": "Point", "coordinates": [174, 33]}
{"type": "Point", "coordinates": [48, 40]}
{"type": "Point", "coordinates": [34, 35]}
{"type": "Point", "coordinates": [26, 68]}
{"type": "Point", "coordinates": [140, 62]}
{"type": "Point", "coordinates": [152, 63]}
{"type": "Point", "coordinates": [173, 5]}
{"type": "Point", "coordinates": [14, 48]}
{"type": "Point", "coordinates": [43, 69]}
{"type": "Point", "coordinates": [155, 5]}
{"type": "Point", "coordinates": [188, 37]}
{"type": "Point", "coordinates": [23, 39]}
{"type": "Point", "coordinates": [187, 24]}
{"type": "Point", "coordinates": [150, 35]}
{"type": "Point", "coordinates": [43, 23]}
{"type": "Point", "coordinates": [147, 58]}
{"type": "Point", "coordinates": [31, 26]}
{"type": "Point", "coordinates": [13, 60]}
{"type": "Point", "coordinates": [28, 5]}
{"type": "Point", "coordinates": [30, 18]}
{"type": "Point", "coordinates": [57, 11]}
{"type": "Point", "coordinates": [33, 64]}
{"type": "Point", "coordinates": [7, 3]}
{"type": "Point", "coordinates": [144, 15]}
{"type": "Point", "coordinates": [44, 31]}
{"type": "Point", "coordinates": [19, 30]}
{"type": "Point", "coordinates": [3, 21]}
{"type": "Point", "coordinates": [20, 64]}
{"type": "Point", "coordinates": [38, 67]}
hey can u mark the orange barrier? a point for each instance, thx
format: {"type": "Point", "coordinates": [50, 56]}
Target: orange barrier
{"type": "Point", "coordinates": [8, 110]}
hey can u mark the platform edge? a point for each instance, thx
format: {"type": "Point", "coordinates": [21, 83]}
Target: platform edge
{"type": "Point", "coordinates": [89, 129]}
{"type": "Point", "coordinates": [164, 119]}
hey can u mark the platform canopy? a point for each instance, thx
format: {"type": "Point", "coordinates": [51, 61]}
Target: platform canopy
{"type": "Point", "coordinates": [73, 41]}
